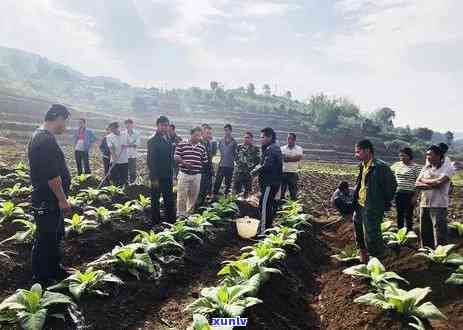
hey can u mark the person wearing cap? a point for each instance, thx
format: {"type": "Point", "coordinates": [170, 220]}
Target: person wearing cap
{"type": "Point", "coordinates": [434, 184]}
{"type": "Point", "coordinates": [160, 160]}
{"type": "Point", "coordinates": [83, 141]}
{"type": "Point", "coordinates": [50, 181]}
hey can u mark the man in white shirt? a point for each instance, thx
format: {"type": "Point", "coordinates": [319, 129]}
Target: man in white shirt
{"type": "Point", "coordinates": [118, 146]}
{"type": "Point", "coordinates": [133, 138]}
{"type": "Point", "coordinates": [434, 181]}
{"type": "Point", "coordinates": [292, 155]}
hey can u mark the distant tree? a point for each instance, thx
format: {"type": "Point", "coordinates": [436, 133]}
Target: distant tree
{"type": "Point", "coordinates": [325, 111]}
{"type": "Point", "coordinates": [267, 90]}
{"type": "Point", "coordinates": [449, 137]}
{"type": "Point", "coordinates": [370, 127]}
{"type": "Point", "coordinates": [424, 133]}
{"type": "Point", "coordinates": [288, 95]}
{"type": "Point", "coordinates": [384, 117]}
{"type": "Point", "coordinates": [214, 85]}
{"type": "Point", "coordinates": [251, 90]}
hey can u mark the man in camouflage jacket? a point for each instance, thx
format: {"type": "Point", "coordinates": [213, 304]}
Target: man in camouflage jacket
{"type": "Point", "coordinates": [247, 158]}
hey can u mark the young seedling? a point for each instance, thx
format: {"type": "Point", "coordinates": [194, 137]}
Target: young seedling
{"type": "Point", "coordinates": [400, 238]}
{"type": "Point", "coordinates": [101, 214]}
{"type": "Point", "coordinates": [30, 307]}
{"type": "Point", "coordinates": [158, 245]}
{"type": "Point", "coordinates": [127, 210]}
{"type": "Point", "coordinates": [348, 254]}
{"type": "Point", "coordinates": [456, 277]}
{"type": "Point", "coordinates": [16, 191]}
{"type": "Point", "coordinates": [9, 211]}
{"type": "Point", "coordinates": [78, 225]}
{"type": "Point", "coordinates": [143, 202]}
{"type": "Point", "coordinates": [126, 258]}
{"type": "Point", "coordinates": [181, 231]}
{"type": "Point", "coordinates": [25, 236]}
{"type": "Point", "coordinates": [443, 254]}
{"type": "Point", "coordinates": [458, 226]}
{"type": "Point", "coordinates": [263, 253]}
{"type": "Point", "coordinates": [226, 207]}
{"type": "Point", "coordinates": [90, 282]}
{"type": "Point", "coordinates": [406, 303]}
{"type": "Point", "coordinates": [245, 272]}
{"type": "Point", "coordinates": [223, 301]}
{"type": "Point", "coordinates": [375, 272]}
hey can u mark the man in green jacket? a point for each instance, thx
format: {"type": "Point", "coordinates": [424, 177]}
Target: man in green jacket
{"type": "Point", "coordinates": [376, 186]}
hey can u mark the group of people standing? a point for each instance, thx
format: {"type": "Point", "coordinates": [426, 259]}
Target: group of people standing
{"type": "Point", "coordinates": [238, 164]}
{"type": "Point", "coordinates": [378, 185]}
{"type": "Point", "coordinates": [169, 158]}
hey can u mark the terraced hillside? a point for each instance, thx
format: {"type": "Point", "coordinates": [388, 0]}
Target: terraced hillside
{"type": "Point", "coordinates": [20, 115]}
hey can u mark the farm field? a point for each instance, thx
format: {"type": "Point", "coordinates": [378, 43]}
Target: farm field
{"type": "Point", "coordinates": [310, 290]}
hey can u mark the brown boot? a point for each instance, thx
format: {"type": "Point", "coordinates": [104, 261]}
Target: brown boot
{"type": "Point", "coordinates": [364, 256]}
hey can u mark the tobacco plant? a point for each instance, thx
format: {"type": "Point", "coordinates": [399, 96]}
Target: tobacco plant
{"type": "Point", "coordinates": [443, 254]}
{"type": "Point", "coordinates": [90, 282]}
{"type": "Point", "coordinates": [25, 236]}
{"type": "Point", "coordinates": [223, 301]}
{"type": "Point", "coordinates": [29, 308]}
{"type": "Point", "coordinates": [348, 254]}
{"type": "Point", "coordinates": [406, 303]}
{"type": "Point", "coordinates": [9, 211]}
{"type": "Point", "coordinates": [375, 272]}
{"type": "Point", "coordinates": [126, 258]}
{"type": "Point", "coordinates": [78, 224]}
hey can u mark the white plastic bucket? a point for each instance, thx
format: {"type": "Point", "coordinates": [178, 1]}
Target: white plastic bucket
{"type": "Point", "coordinates": [247, 227]}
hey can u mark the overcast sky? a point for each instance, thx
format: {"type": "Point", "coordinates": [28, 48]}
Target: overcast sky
{"type": "Point", "coordinates": [405, 54]}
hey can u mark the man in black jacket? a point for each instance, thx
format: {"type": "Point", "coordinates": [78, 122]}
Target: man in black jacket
{"type": "Point", "coordinates": [270, 174]}
{"type": "Point", "coordinates": [208, 169]}
{"type": "Point", "coordinates": [161, 164]}
{"type": "Point", "coordinates": [50, 182]}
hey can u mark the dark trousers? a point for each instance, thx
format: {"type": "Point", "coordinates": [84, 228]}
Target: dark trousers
{"type": "Point", "coordinates": [343, 207]}
{"type": "Point", "coordinates": [368, 232]}
{"type": "Point", "coordinates": [106, 165]}
{"type": "Point", "coordinates": [289, 181]}
{"type": "Point", "coordinates": [242, 180]}
{"type": "Point", "coordinates": [433, 226]}
{"type": "Point", "coordinates": [205, 188]}
{"type": "Point", "coordinates": [267, 206]}
{"type": "Point", "coordinates": [165, 188]}
{"type": "Point", "coordinates": [46, 251]}
{"type": "Point", "coordinates": [119, 174]}
{"type": "Point", "coordinates": [132, 170]}
{"type": "Point", "coordinates": [227, 173]}
{"type": "Point", "coordinates": [405, 208]}
{"type": "Point", "coordinates": [82, 158]}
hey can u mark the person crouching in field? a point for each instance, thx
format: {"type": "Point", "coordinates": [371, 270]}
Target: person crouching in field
{"type": "Point", "coordinates": [343, 200]}
{"type": "Point", "coordinates": [434, 182]}
{"type": "Point", "coordinates": [270, 174]}
{"type": "Point", "coordinates": [191, 157]}
{"type": "Point", "coordinates": [375, 189]}
{"type": "Point", "coordinates": [50, 180]}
